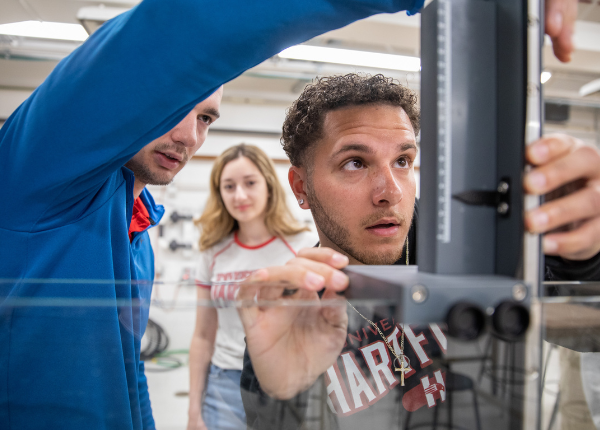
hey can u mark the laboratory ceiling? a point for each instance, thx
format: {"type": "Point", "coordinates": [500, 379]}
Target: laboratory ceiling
{"type": "Point", "coordinates": [66, 10]}
{"type": "Point", "coordinates": [278, 81]}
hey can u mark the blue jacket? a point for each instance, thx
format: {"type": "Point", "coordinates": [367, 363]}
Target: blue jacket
{"type": "Point", "coordinates": [74, 291]}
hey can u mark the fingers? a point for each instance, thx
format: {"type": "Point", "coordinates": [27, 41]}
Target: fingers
{"type": "Point", "coordinates": [568, 172]}
{"type": "Point", "coordinates": [248, 291]}
{"type": "Point", "coordinates": [560, 24]}
{"type": "Point", "coordinates": [270, 282]}
{"type": "Point", "coordinates": [550, 147]}
{"type": "Point", "coordinates": [580, 162]}
{"type": "Point", "coordinates": [326, 275]}
{"type": "Point", "coordinates": [306, 274]}
{"type": "Point", "coordinates": [325, 255]}
{"type": "Point", "coordinates": [581, 205]}
{"type": "Point", "coordinates": [579, 244]}
{"type": "Point", "coordinates": [300, 273]}
{"type": "Point", "coordinates": [313, 270]}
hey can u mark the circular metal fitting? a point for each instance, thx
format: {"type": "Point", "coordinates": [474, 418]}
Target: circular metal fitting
{"type": "Point", "coordinates": [418, 293]}
{"type": "Point", "coordinates": [502, 187]}
{"type": "Point", "coordinates": [502, 208]}
{"type": "Point", "coordinates": [519, 292]}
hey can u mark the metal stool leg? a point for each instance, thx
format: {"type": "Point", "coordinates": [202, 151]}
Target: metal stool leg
{"type": "Point", "coordinates": [476, 409]}
{"type": "Point", "coordinates": [449, 397]}
{"type": "Point", "coordinates": [484, 363]}
{"type": "Point", "coordinates": [494, 369]}
{"type": "Point", "coordinates": [507, 360]}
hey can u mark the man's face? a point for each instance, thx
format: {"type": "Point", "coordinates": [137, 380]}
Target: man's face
{"type": "Point", "coordinates": [158, 162]}
{"type": "Point", "coordinates": [361, 184]}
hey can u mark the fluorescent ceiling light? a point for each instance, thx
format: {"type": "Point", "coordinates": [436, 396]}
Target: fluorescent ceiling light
{"type": "Point", "coordinates": [351, 57]}
{"type": "Point", "coordinates": [45, 30]}
{"type": "Point", "coordinates": [545, 77]}
{"type": "Point", "coordinates": [98, 13]}
{"type": "Point", "coordinates": [589, 88]}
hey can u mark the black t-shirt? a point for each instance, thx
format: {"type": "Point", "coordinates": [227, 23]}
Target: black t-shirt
{"type": "Point", "coordinates": [363, 376]}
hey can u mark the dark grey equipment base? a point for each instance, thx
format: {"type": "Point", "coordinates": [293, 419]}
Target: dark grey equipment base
{"type": "Point", "coordinates": [420, 298]}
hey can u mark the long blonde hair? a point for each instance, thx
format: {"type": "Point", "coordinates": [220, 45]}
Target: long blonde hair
{"type": "Point", "coordinates": [216, 223]}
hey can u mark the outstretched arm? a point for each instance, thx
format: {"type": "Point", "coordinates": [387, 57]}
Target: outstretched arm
{"type": "Point", "coordinates": [134, 80]}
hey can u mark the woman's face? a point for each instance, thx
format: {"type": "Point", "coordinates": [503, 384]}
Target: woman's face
{"type": "Point", "coordinates": [244, 190]}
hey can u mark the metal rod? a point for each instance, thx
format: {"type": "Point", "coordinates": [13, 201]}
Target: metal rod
{"type": "Point", "coordinates": [532, 243]}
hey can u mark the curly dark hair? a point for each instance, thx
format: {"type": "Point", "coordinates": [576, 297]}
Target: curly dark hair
{"type": "Point", "coordinates": [303, 123]}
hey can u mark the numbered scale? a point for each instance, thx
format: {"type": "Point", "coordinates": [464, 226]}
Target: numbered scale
{"type": "Point", "coordinates": [444, 113]}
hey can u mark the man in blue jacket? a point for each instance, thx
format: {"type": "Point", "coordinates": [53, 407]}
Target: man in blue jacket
{"type": "Point", "coordinates": [76, 265]}
{"type": "Point", "coordinates": [83, 266]}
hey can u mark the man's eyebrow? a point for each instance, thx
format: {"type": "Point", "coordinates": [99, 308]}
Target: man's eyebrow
{"type": "Point", "coordinates": [213, 112]}
{"type": "Point", "coordinates": [358, 147]}
{"type": "Point", "coordinates": [407, 147]}
{"type": "Point", "coordinates": [368, 150]}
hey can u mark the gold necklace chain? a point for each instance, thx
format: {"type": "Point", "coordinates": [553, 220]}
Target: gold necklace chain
{"type": "Point", "coordinates": [400, 357]}
{"type": "Point", "coordinates": [393, 351]}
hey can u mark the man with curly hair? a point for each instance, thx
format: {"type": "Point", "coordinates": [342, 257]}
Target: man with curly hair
{"type": "Point", "coordinates": [343, 111]}
{"type": "Point", "coordinates": [352, 143]}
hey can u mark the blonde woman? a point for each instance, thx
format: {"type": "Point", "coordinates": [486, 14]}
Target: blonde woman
{"type": "Point", "coordinates": [246, 226]}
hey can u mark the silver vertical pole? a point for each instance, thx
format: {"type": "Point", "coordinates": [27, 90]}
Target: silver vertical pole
{"type": "Point", "coordinates": [532, 243]}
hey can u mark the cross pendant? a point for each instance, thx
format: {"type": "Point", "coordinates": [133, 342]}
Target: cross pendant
{"type": "Point", "coordinates": [402, 369]}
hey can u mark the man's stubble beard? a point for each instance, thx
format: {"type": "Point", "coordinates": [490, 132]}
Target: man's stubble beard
{"type": "Point", "coordinates": [334, 230]}
{"type": "Point", "coordinates": [144, 174]}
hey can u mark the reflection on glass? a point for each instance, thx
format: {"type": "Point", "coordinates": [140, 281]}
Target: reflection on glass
{"type": "Point", "coordinates": [449, 383]}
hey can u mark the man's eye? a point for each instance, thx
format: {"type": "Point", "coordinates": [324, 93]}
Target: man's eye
{"type": "Point", "coordinates": [205, 119]}
{"type": "Point", "coordinates": [353, 165]}
{"type": "Point", "coordinates": [403, 162]}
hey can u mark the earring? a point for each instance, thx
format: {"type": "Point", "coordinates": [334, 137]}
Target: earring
{"type": "Point", "coordinates": [301, 201]}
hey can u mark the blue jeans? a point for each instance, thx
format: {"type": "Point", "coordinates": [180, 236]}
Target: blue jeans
{"type": "Point", "coordinates": [223, 408]}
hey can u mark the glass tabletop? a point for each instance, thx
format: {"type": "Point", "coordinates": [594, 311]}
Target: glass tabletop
{"type": "Point", "coordinates": [275, 357]}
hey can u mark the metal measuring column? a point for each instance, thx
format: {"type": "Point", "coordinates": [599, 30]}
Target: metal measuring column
{"type": "Point", "coordinates": [481, 104]}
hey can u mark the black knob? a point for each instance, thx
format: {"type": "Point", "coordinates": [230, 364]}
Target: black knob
{"type": "Point", "coordinates": [466, 321]}
{"type": "Point", "coordinates": [510, 319]}
{"type": "Point", "coordinates": [176, 217]}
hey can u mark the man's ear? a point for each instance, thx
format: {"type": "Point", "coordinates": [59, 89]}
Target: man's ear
{"type": "Point", "coordinates": [297, 178]}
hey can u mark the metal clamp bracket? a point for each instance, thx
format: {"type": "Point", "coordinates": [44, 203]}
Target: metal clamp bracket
{"type": "Point", "coordinates": [500, 199]}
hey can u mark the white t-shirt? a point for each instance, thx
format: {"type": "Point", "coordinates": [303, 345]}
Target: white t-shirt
{"type": "Point", "coordinates": [223, 267]}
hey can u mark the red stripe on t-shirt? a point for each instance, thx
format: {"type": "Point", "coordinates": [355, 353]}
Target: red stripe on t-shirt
{"type": "Point", "coordinates": [203, 285]}
{"type": "Point", "coordinates": [289, 246]}
{"type": "Point", "coordinates": [237, 240]}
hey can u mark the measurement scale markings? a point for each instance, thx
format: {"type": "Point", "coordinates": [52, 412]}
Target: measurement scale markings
{"type": "Point", "coordinates": [444, 120]}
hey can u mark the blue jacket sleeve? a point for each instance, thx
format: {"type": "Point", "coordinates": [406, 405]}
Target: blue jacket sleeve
{"type": "Point", "coordinates": [133, 81]}
{"type": "Point", "coordinates": [145, 406]}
